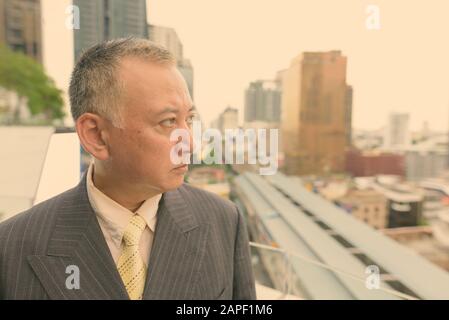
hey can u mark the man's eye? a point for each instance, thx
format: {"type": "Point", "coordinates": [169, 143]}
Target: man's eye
{"type": "Point", "coordinates": [168, 122]}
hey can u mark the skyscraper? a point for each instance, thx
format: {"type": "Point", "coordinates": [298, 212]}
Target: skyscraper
{"type": "Point", "coordinates": [228, 119]}
{"type": "Point", "coordinates": [262, 101]}
{"type": "Point", "coordinates": [186, 69]}
{"type": "Point", "coordinates": [348, 116]}
{"type": "Point", "coordinates": [397, 136]}
{"type": "Point", "coordinates": [168, 38]}
{"type": "Point", "coordinates": [109, 19]}
{"type": "Point", "coordinates": [315, 120]}
{"type": "Point", "coordinates": [20, 26]}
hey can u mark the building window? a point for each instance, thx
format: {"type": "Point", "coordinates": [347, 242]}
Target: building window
{"type": "Point", "coordinates": [35, 49]}
{"type": "Point", "coordinates": [17, 33]}
{"type": "Point", "coordinates": [19, 47]}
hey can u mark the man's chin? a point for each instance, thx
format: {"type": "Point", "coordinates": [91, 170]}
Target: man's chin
{"type": "Point", "coordinates": [174, 183]}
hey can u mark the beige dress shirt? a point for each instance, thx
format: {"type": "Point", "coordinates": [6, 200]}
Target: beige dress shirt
{"type": "Point", "coordinates": [114, 218]}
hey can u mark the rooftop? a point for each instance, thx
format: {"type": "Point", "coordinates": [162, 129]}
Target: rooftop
{"type": "Point", "coordinates": [308, 226]}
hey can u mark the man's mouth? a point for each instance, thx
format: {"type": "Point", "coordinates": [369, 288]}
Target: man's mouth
{"type": "Point", "coordinates": [182, 167]}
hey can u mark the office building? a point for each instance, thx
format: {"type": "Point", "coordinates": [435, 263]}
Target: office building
{"type": "Point", "coordinates": [262, 102]}
{"type": "Point", "coordinates": [21, 28]}
{"type": "Point", "coordinates": [315, 122]}
{"type": "Point", "coordinates": [109, 19]}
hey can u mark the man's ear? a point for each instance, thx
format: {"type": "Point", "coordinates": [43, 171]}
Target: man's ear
{"type": "Point", "coordinates": [93, 134]}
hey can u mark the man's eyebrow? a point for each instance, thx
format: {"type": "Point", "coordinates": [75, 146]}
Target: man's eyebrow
{"type": "Point", "coordinates": [174, 110]}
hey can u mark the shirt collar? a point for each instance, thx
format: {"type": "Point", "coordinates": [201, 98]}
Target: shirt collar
{"type": "Point", "coordinates": [114, 216]}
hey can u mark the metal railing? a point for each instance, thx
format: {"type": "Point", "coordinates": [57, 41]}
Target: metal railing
{"type": "Point", "coordinates": [285, 288]}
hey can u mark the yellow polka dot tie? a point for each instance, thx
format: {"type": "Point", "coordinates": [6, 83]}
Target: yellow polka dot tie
{"type": "Point", "coordinates": [130, 264]}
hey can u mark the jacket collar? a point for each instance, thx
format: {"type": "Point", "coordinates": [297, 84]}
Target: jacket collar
{"type": "Point", "coordinates": [77, 240]}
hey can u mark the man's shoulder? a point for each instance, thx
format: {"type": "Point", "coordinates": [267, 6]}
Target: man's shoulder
{"type": "Point", "coordinates": [41, 213]}
{"type": "Point", "coordinates": [206, 197]}
{"type": "Point", "coordinates": [208, 202]}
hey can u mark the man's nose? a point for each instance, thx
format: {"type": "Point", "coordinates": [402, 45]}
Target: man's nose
{"type": "Point", "coordinates": [187, 143]}
{"type": "Point", "coordinates": [188, 127]}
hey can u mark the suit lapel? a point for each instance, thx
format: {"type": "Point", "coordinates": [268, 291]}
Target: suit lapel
{"type": "Point", "coordinates": [77, 242]}
{"type": "Point", "coordinates": [177, 253]}
{"type": "Point", "coordinates": [178, 250]}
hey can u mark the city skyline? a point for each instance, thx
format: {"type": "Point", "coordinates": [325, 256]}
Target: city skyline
{"type": "Point", "coordinates": [339, 171]}
{"type": "Point", "coordinates": [219, 83]}
{"type": "Point", "coordinates": [235, 43]}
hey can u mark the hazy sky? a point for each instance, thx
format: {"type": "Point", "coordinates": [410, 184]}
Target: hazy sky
{"type": "Point", "coordinates": [57, 46]}
{"type": "Point", "coordinates": [402, 67]}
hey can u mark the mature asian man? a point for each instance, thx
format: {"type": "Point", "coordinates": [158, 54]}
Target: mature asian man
{"type": "Point", "coordinates": [131, 228]}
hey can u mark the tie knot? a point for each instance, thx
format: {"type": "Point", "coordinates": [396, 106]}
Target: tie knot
{"type": "Point", "coordinates": [133, 232]}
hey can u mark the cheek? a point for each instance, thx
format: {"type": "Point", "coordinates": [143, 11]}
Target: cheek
{"type": "Point", "coordinates": [128, 147]}
{"type": "Point", "coordinates": [153, 147]}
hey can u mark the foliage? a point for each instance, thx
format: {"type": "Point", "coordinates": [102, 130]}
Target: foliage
{"type": "Point", "coordinates": [26, 77]}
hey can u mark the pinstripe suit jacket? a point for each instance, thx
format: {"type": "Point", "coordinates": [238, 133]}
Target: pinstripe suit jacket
{"type": "Point", "coordinates": [200, 250]}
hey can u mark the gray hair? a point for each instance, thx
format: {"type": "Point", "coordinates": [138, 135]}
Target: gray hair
{"type": "Point", "coordinates": [94, 85]}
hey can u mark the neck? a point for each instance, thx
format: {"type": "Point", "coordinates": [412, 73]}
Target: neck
{"type": "Point", "coordinates": [126, 194]}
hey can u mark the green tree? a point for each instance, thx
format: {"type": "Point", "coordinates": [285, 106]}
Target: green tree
{"type": "Point", "coordinates": [27, 78]}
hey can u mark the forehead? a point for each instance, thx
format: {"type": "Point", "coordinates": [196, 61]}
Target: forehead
{"type": "Point", "coordinates": [153, 87]}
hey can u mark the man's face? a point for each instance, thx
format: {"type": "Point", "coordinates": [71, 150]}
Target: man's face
{"type": "Point", "coordinates": [156, 101]}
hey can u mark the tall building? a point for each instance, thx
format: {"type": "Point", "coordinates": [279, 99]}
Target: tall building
{"type": "Point", "coordinates": [186, 69]}
{"type": "Point", "coordinates": [315, 107]}
{"type": "Point", "coordinates": [109, 19]}
{"type": "Point", "coordinates": [448, 156]}
{"type": "Point", "coordinates": [20, 26]}
{"type": "Point", "coordinates": [348, 116]}
{"type": "Point", "coordinates": [263, 101]}
{"type": "Point", "coordinates": [427, 158]}
{"type": "Point", "coordinates": [397, 135]}
{"type": "Point", "coordinates": [168, 38]}
{"type": "Point", "coordinates": [228, 119]}
{"type": "Point", "coordinates": [425, 164]}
